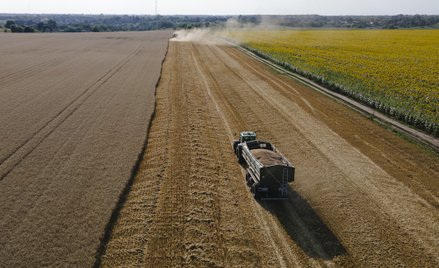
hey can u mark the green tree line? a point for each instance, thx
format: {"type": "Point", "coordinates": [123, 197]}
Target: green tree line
{"type": "Point", "coordinates": [110, 23]}
{"type": "Point", "coordinates": [105, 23]}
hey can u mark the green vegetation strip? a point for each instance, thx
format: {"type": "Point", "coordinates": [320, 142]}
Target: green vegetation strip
{"type": "Point", "coordinates": [392, 71]}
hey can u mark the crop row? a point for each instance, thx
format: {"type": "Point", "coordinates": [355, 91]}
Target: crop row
{"type": "Point", "coordinates": [395, 72]}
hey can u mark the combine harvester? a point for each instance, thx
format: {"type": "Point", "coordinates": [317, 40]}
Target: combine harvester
{"type": "Point", "coordinates": [268, 171]}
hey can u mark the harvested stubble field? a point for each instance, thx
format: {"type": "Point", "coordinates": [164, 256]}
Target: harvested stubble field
{"type": "Point", "coordinates": [363, 196]}
{"type": "Point", "coordinates": [74, 113]}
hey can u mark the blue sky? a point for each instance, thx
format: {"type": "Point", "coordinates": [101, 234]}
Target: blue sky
{"type": "Point", "coordinates": [224, 7]}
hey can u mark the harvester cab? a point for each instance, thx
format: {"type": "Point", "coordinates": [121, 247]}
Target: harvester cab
{"type": "Point", "coordinates": [244, 136]}
{"type": "Point", "coordinates": [247, 136]}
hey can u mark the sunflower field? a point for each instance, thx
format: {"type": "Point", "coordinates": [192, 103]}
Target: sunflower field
{"type": "Point", "coordinates": [393, 71]}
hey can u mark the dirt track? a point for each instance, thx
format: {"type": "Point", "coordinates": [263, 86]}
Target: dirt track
{"type": "Point", "coordinates": [362, 197]}
{"type": "Point", "coordinates": [74, 112]}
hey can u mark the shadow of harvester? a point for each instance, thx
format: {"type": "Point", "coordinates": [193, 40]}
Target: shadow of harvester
{"type": "Point", "coordinates": [305, 227]}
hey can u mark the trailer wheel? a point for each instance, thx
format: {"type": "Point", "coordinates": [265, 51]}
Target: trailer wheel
{"type": "Point", "coordinates": [256, 194]}
{"type": "Point", "coordinates": [249, 179]}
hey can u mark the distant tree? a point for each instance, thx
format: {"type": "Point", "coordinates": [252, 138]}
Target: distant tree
{"type": "Point", "coordinates": [51, 24]}
{"type": "Point", "coordinates": [16, 28]}
{"type": "Point", "coordinates": [41, 26]}
{"type": "Point", "coordinates": [103, 28]}
{"type": "Point", "coordinates": [390, 26]}
{"type": "Point", "coordinates": [9, 23]}
{"type": "Point", "coordinates": [47, 26]}
{"type": "Point", "coordinates": [28, 29]}
{"type": "Point", "coordinates": [166, 24]}
{"type": "Point", "coordinates": [72, 29]}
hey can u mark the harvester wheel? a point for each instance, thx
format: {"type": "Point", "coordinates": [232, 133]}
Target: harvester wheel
{"type": "Point", "coordinates": [235, 145]}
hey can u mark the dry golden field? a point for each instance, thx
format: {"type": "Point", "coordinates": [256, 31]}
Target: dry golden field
{"type": "Point", "coordinates": [74, 113]}
{"type": "Point", "coordinates": [363, 197]}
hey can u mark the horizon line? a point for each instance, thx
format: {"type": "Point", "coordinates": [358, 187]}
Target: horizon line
{"type": "Point", "coordinates": [223, 15]}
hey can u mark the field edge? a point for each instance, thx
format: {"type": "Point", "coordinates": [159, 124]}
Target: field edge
{"type": "Point", "coordinates": [126, 190]}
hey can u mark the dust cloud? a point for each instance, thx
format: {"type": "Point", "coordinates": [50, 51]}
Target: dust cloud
{"type": "Point", "coordinates": [216, 35]}
{"type": "Point", "coordinates": [201, 35]}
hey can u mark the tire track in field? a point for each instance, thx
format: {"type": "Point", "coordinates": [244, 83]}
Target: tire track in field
{"type": "Point", "coordinates": [286, 257]}
{"type": "Point", "coordinates": [17, 155]}
{"type": "Point", "coordinates": [207, 77]}
{"type": "Point", "coordinates": [70, 145]}
{"type": "Point", "coordinates": [305, 232]}
{"type": "Point", "coordinates": [211, 78]}
{"type": "Point", "coordinates": [26, 72]}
